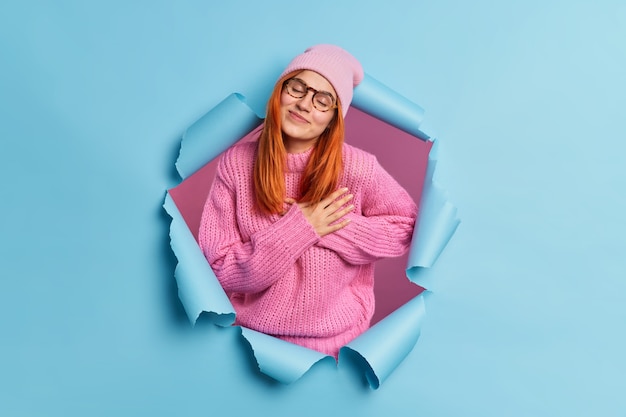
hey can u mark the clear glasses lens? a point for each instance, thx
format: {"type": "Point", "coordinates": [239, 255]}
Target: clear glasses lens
{"type": "Point", "coordinates": [322, 101]}
{"type": "Point", "coordinates": [296, 88]}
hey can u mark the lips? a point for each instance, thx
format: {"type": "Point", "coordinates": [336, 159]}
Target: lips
{"type": "Point", "coordinates": [297, 117]}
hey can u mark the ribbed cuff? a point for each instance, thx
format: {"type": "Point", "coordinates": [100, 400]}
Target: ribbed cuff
{"type": "Point", "coordinates": [295, 232]}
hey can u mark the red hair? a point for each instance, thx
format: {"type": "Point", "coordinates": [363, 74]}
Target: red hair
{"type": "Point", "coordinates": [321, 174]}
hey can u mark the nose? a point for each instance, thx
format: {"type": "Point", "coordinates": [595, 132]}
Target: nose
{"type": "Point", "coordinates": [306, 102]}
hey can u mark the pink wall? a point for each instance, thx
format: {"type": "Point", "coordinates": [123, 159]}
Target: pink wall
{"type": "Point", "coordinates": [401, 154]}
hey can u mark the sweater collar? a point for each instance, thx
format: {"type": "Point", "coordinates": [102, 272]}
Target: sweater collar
{"type": "Point", "coordinates": [296, 162]}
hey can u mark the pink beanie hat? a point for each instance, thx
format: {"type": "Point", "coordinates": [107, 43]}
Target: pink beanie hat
{"type": "Point", "coordinates": [335, 64]}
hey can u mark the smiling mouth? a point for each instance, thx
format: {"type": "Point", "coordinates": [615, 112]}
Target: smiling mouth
{"type": "Point", "coordinates": [297, 117]}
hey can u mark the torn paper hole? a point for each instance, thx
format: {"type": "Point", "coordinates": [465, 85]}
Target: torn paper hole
{"type": "Point", "coordinates": [407, 154]}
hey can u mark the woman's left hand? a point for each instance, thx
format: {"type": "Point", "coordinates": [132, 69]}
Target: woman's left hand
{"type": "Point", "coordinates": [327, 216]}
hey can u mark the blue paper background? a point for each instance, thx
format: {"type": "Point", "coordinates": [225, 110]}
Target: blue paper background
{"type": "Point", "coordinates": [527, 100]}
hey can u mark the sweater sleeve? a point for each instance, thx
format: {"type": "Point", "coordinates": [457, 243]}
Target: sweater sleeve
{"type": "Point", "coordinates": [249, 265]}
{"type": "Point", "coordinates": [384, 226]}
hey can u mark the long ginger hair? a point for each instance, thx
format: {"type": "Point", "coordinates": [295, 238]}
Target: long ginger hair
{"type": "Point", "coordinates": [321, 174]}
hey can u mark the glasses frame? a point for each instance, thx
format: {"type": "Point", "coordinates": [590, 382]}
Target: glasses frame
{"type": "Point", "coordinates": [315, 92]}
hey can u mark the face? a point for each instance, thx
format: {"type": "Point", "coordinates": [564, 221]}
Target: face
{"type": "Point", "coordinates": [302, 123]}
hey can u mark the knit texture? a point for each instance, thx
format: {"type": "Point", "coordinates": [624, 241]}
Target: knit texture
{"type": "Point", "coordinates": [281, 276]}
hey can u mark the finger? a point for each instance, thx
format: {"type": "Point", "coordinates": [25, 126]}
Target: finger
{"type": "Point", "coordinates": [290, 200]}
{"type": "Point", "coordinates": [337, 226]}
{"type": "Point", "coordinates": [337, 204]}
{"type": "Point", "coordinates": [340, 213]}
{"type": "Point", "coordinates": [332, 197]}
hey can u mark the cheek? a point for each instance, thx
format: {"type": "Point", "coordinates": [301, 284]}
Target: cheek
{"type": "Point", "coordinates": [323, 120]}
{"type": "Point", "coordinates": [283, 109]}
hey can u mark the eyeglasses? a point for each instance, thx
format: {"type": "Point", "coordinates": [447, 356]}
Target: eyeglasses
{"type": "Point", "coordinates": [322, 100]}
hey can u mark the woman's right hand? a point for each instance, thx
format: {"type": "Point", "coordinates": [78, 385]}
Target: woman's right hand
{"type": "Point", "coordinates": [327, 216]}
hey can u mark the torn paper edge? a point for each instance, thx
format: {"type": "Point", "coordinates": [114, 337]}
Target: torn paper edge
{"type": "Point", "coordinates": [437, 223]}
{"type": "Point", "coordinates": [200, 291]}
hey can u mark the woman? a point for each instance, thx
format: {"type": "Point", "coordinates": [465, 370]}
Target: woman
{"type": "Point", "coordinates": [294, 221]}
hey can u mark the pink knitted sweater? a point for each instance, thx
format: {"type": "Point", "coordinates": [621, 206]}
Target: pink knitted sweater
{"type": "Point", "coordinates": [281, 276]}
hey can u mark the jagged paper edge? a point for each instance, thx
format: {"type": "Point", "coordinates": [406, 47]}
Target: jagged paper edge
{"type": "Point", "coordinates": [200, 291]}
